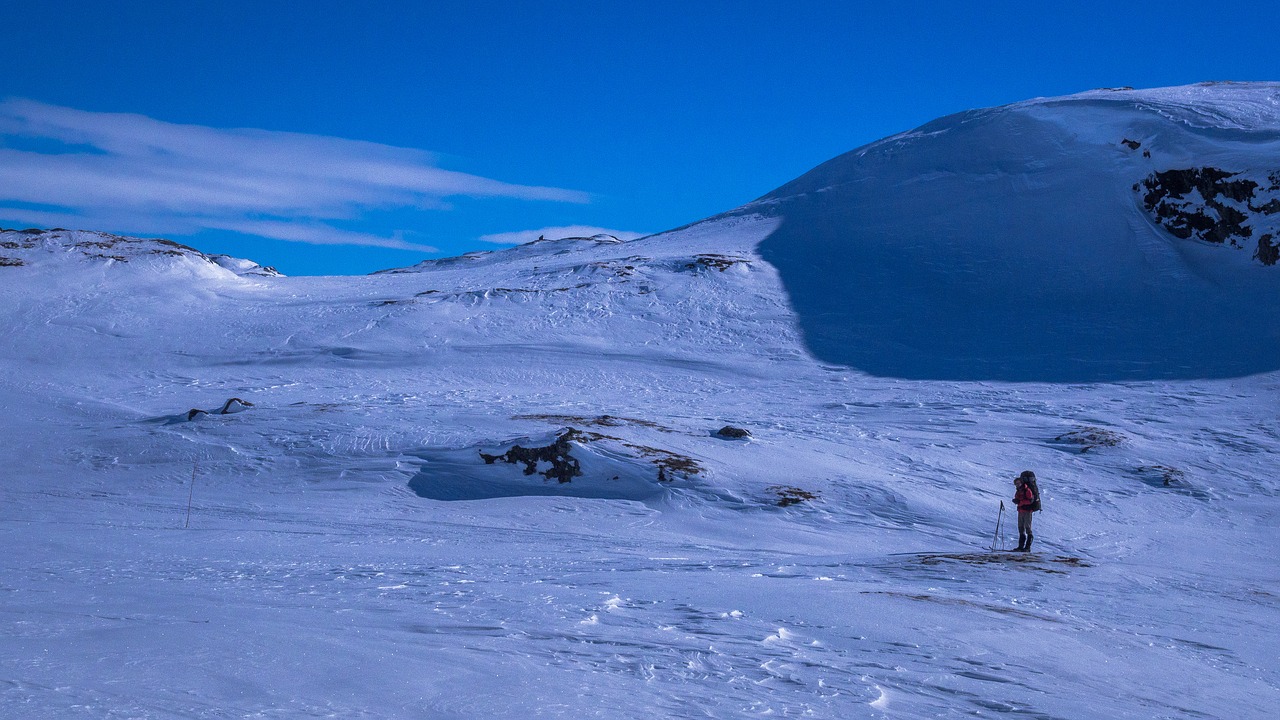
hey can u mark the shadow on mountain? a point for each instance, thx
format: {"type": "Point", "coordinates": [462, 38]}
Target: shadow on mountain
{"type": "Point", "coordinates": [960, 307]}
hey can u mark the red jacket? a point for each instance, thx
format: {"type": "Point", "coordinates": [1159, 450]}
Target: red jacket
{"type": "Point", "coordinates": [1024, 498]}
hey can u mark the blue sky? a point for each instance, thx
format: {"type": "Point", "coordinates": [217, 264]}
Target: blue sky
{"type": "Point", "coordinates": [340, 137]}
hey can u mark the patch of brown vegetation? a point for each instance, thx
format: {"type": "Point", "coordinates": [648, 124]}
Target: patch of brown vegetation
{"type": "Point", "coordinates": [596, 421]}
{"type": "Point", "coordinates": [788, 496]}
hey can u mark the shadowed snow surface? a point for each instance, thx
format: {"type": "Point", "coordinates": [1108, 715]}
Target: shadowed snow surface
{"type": "Point", "coordinates": [350, 554]}
{"type": "Point", "coordinates": [1012, 244]}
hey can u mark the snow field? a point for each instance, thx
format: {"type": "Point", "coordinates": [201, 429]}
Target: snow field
{"type": "Point", "coordinates": [315, 582]}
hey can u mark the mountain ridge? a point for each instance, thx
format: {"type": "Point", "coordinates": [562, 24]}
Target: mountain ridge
{"type": "Point", "coordinates": [901, 258]}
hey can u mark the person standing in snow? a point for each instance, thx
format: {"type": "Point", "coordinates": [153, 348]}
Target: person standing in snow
{"type": "Point", "coordinates": [1024, 497]}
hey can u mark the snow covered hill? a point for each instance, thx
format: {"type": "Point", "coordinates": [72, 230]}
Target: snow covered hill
{"type": "Point", "coordinates": [63, 249]}
{"type": "Point", "coordinates": [495, 486]}
{"type": "Point", "coordinates": [1061, 239]}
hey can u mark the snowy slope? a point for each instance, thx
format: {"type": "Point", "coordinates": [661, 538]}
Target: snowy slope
{"type": "Point", "coordinates": [352, 554]}
{"type": "Point", "coordinates": [1015, 243]}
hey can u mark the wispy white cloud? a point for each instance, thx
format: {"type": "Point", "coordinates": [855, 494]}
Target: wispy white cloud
{"type": "Point", "coordinates": [108, 168]}
{"type": "Point", "coordinates": [555, 233]}
{"type": "Point", "coordinates": [318, 234]}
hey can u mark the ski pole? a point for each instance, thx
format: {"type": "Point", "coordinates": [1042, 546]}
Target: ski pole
{"type": "Point", "coordinates": [191, 495]}
{"type": "Point", "coordinates": [999, 517]}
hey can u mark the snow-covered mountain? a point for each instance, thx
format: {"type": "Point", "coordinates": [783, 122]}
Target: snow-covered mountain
{"type": "Point", "coordinates": [1111, 235]}
{"type": "Point", "coordinates": [497, 486]}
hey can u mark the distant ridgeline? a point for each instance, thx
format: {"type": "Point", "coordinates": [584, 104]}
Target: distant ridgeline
{"type": "Point", "coordinates": [1237, 209]}
{"type": "Point", "coordinates": [35, 246]}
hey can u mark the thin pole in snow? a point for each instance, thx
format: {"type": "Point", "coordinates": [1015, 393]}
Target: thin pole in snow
{"type": "Point", "coordinates": [191, 495]}
{"type": "Point", "coordinates": [999, 517]}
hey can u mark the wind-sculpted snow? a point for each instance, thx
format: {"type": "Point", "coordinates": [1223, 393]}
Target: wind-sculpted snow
{"type": "Point", "coordinates": [365, 540]}
{"type": "Point", "coordinates": [1009, 244]}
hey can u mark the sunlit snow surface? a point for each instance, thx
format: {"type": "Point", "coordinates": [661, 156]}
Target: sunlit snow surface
{"type": "Point", "coordinates": [313, 581]}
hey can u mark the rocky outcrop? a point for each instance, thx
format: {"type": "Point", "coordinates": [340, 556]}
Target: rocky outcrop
{"type": "Point", "coordinates": [563, 466]}
{"type": "Point", "coordinates": [1217, 206]}
{"type": "Point", "coordinates": [231, 406]}
{"type": "Point", "coordinates": [712, 261]}
{"type": "Point", "coordinates": [1088, 438]}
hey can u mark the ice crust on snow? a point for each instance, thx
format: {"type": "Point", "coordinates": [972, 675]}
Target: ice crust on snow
{"type": "Point", "coordinates": [351, 554]}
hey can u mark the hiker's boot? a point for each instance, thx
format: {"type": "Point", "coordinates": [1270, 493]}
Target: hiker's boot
{"type": "Point", "coordinates": [1027, 547]}
{"type": "Point", "coordinates": [1022, 543]}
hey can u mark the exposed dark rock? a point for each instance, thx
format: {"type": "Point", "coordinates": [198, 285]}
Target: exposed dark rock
{"type": "Point", "coordinates": [1270, 207]}
{"type": "Point", "coordinates": [1170, 479]}
{"type": "Point", "coordinates": [1268, 251]}
{"type": "Point", "coordinates": [719, 262]}
{"type": "Point", "coordinates": [1131, 144]}
{"type": "Point", "coordinates": [728, 431]}
{"type": "Point", "coordinates": [669, 464]}
{"type": "Point", "coordinates": [1168, 476]}
{"type": "Point", "coordinates": [234, 405]}
{"type": "Point", "coordinates": [1210, 181]}
{"type": "Point", "coordinates": [564, 467]}
{"type": "Point", "coordinates": [1089, 438]}
{"type": "Point", "coordinates": [1208, 204]}
{"type": "Point", "coordinates": [1146, 153]}
{"type": "Point", "coordinates": [10, 262]}
{"type": "Point", "coordinates": [618, 268]}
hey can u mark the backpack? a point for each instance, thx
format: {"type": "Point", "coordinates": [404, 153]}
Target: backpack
{"type": "Point", "coordinates": [1035, 493]}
